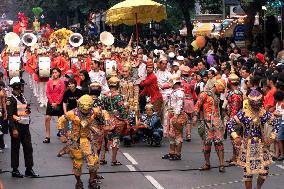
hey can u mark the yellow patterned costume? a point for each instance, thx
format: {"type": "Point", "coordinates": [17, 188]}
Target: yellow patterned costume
{"type": "Point", "coordinates": [84, 133]}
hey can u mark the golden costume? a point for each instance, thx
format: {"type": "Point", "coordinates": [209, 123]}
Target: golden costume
{"type": "Point", "coordinates": [84, 135]}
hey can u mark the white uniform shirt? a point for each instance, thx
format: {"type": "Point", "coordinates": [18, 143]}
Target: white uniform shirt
{"type": "Point", "coordinates": [163, 78]}
{"type": "Point", "coordinates": [99, 77]}
{"type": "Point", "coordinates": [176, 101]}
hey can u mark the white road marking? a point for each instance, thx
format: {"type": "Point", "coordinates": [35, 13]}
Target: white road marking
{"type": "Point", "coordinates": [280, 166]}
{"type": "Point", "coordinates": [154, 182]}
{"type": "Point", "coordinates": [131, 167]}
{"type": "Point", "coordinates": [130, 158]}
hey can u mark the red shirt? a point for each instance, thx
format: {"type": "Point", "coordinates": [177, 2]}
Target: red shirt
{"type": "Point", "coordinates": [55, 93]}
{"type": "Point", "coordinates": [151, 88]}
{"type": "Point", "coordinates": [269, 98]}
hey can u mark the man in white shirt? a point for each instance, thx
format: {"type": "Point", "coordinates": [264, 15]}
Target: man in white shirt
{"type": "Point", "coordinates": [164, 76]}
{"type": "Point", "coordinates": [96, 75]}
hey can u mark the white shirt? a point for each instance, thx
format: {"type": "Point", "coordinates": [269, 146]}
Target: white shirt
{"type": "Point", "coordinates": [99, 77]}
{"type": "Point", "coordinates": [280, 110]}
{"type": "Point", "coordinates": [223, 95]}
{"type": "Point", "coordinates": [142, 72]}
{"type": "Point", "coordinates": [164, 77]}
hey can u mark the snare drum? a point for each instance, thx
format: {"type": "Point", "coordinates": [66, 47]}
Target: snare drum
{"type": "Point", "coordinates": [14, 66]}
{"type": "Point", "coordinates": [110, 66]}
{"type": "Point", "coordinates": [44, 67]}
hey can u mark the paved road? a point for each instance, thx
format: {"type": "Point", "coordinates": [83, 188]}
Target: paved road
{"type": "Point", "coordinates": [157, 173]}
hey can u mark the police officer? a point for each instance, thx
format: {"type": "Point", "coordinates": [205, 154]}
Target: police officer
{"type": "Point", "coordinates": [18, 115]}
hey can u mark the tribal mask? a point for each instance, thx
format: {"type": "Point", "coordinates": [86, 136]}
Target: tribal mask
{"type": "Point", "coordinates": [255, 99]}
{"type": "Point", "coordinates": [85, 103]}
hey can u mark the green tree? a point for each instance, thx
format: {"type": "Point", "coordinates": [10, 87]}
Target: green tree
{"type": "Point", "coordinates": [211, 6]}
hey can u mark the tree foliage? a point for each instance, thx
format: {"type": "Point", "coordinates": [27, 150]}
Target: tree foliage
{"type": "Point", "coordinates": [211, 6]}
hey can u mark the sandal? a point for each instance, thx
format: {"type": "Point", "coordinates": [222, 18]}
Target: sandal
{"type": "Point", "coordinates": [79, 185]}
{"type": "Point", "coordinates": [103, 162]}
{"type": "Point", "coordinates": [115, 163]}
{"type": "Point", "coordinates": [222, 169]}
{"type": "Point", "coordinates": [99, 177]}
{"type": "Point", "coordinates": [46, 140]}
{"type": "Point", "coordinates": [205, 167]}
{"type": "Point", "coordinates": [175, 157]}
{"type": "Point", "coordinates": [167, 156]}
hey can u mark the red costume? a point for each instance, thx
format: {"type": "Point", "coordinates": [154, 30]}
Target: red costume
{"type": "Point", "coordinates": [235, 102]}
{"type": "Point", "coordinates": [86, 65]}
{"type": "Point", "coordinates": [151, 88]}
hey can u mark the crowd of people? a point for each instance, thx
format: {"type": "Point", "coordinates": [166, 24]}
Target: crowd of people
{"type": "Point", "coordinates": [160, 88]}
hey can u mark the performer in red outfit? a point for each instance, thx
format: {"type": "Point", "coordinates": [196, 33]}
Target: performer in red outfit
{"type": "Point", "coordinates": [233, 106]}
{"type": "Point", "coordinates": [151, 88]}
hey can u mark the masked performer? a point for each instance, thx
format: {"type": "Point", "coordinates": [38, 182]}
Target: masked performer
{"type": "Point", "coordinates": [211, 130]}
{"type": "Point", "coordinates": [114, 104]}
{"type": "Point", "coordinates": [177, 120]}
{"type": "Point", "coordinates": [83, 138]}
{"type": "Point", "coordinates": [233, 104]}
{"type": "Point", "coordinates": [254, 154]}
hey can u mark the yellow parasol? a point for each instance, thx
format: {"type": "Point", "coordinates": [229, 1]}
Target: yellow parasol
{"type": "Point", "coordinates": [132, 12]}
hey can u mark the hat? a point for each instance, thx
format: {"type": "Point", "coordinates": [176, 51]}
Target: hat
{"type": "Point", "coordinates": [254, 95]}
{"type": "Point", "coordinates": [149, 106]}
{"type": "Point", "coordinates": [213, 69]}
{"type": "Point", "coordinates": [175, 64]}
{"type": "Point", "coordinates": [175, 79]}
{"type": "Point", "coordinates": [185, 70]}
{"type": "Point", "coordinates": [172, 54]}
{"type": "Point", "coordinates": [233, 78]}
{"type": "Point", "coordinates": [14, 81]}
{"type": "Point", "coordinates": [95, 85]}
{"type": "Point", "coordinates": [181, 58]}
{"type": "Point", "coordinates": [113, 81]}
{"type": "Point", "coordinates": [220, 83]}
{"type": "Point", "coordinates": [260, 57]}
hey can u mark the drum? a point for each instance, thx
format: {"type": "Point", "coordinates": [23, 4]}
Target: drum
{"type": "Point", "coordinates": [14, 66]}
{"type": "Point", "coordinates": [44, 64]}
{"type": "Point", "coordinates": [110, 66]}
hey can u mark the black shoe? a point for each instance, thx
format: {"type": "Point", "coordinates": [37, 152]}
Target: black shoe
{"type": "Point", "coordinates": [30, 173]}
{"type": "Point", "coordinates": [94, 185]}
{"type": "Point", "coordinates": [16, 173]}
{"type": "Point", "coordinates": [46, 140]}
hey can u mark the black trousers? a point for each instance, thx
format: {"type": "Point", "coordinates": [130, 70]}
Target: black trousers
{"type": "Point", "coordinates": [24, 138]}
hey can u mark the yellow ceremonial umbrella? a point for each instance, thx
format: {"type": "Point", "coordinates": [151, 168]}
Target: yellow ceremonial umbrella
{"type": "Point", "coordinates": [132, 12]}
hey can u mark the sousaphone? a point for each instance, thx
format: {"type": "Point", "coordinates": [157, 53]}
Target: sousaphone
{"type": "Point", "coordinates": [29, 39]}
{"type": "Point", "coordinates": [12, 40]}
{"type": "Point", "coordinates": [76, 40]}
{"type": "Point", "coordinates": [107, 38]}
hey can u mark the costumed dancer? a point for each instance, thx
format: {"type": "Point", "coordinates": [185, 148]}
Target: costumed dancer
{"type": "Point", "coordinates": [188, 100]}
{"type": "Point", "coordinates": [102, 142]}
{"type": "Point", "coordinates": [151, 89]}
{"type": "Point", "coordinates": [130, 92]}
{"type": "Point", "coordinates": [177, 120]}
{"type": "Point", "coordinates": [83, 138]}
{"type": "Point", "coordinates": [164, 76]}
{"type": "Point", "coordinates": [211, 129]}
{"type": "Point", "coordinates": [233, 104]}
{"type": "Point", "coordinates": [254, 154]}
{"type": "Point", "coordinates": [114, 104]}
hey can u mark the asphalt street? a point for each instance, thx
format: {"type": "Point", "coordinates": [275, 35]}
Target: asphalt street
{"type": "Point", "coordinates": [142, 166]}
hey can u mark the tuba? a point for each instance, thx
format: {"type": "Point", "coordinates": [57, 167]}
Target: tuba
{"type": "Point", "coordinates": [107, 38]}
{"type": "Point", "coordinates": [12, 40]}
{"type": "Point", "coordinates": [29, 39]}
{"type": "Point", "coordinates": [76, 40]}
